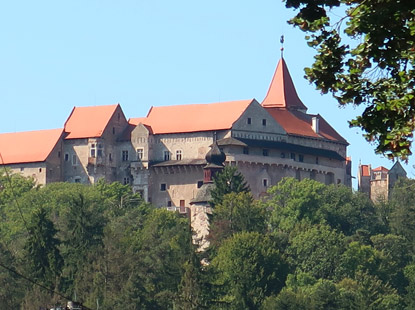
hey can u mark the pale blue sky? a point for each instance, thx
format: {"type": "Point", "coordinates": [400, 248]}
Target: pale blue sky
{"type": "Point", "coordinates": [58, 54]}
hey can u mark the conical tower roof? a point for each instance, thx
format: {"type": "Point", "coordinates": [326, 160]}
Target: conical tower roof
{"type": "Point", "coordinates": [281, 92]}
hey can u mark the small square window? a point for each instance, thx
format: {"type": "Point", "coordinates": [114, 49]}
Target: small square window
{"type": "Point", "coordinates": [77, 180]}
{"type": "Point", "coordinates": [169, 203]}
{"type": "Point", "coordinates": [126, 181]}
{"type": "Point", "coordinates": [264, 122]}
{"type": "Point", "coordinates": [248, 121]}
{"type": "Point", "coordinates": [163, 187]}
{"type": "Point", "coordinates": [265, 152]}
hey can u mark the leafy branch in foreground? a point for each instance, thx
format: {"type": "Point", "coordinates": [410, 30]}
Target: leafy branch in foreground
{"type": "Point", "coordinates": [377, 68]}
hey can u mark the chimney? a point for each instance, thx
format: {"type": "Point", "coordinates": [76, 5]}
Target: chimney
{"type": "Point", "coordinates": [315, 124]}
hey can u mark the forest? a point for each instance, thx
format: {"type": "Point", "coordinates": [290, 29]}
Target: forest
{"type": "Point", "coordinates": [304, 245]}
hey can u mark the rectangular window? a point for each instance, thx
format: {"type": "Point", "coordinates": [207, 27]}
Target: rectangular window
{"type": "Point", "coordinates": [264, 122]}
{"type": "Point", "coordinates": [163, 187]}
{"type": "Point", "coordinates": [99, 152]}
{"type": "Point", "coordinates": [301, 158]}
{"type": "Point", "coordinates": [246, 150]}
{"type": "Point", "coordinates": [169, 203]}
{"type": "Point", "coordinates": [140, 154]}
{"type": "Point", "coordinates": [126, 181]}
{"type": "Point", "coordinates": [248, 121]}
{"type": "Point", "coordinates": [110, 157]}
{"type": "Point", "coordinates": [316, 160]}
{"type": "Point", "coordinates": [265, 152]}
{"type": "Point", "coordinates": [292, 156]}
{"type": "Point", "coordinates": [282, 155]}
{"type": "Point", "coordinates": [166, 155]}
{"type": "Point", "coordinates": [92, 152]}
{"type": "Point", "coordinates": [199, 184]}
{"type": "Point", "coordinates": [74, 159]}
{"type": "Point", "coordinates": [66, 157]}
{"type": "Point", "coordinates": [124, 155]}
{"type": "Point", "coordinates": [265, 182]}
{"type": "Point", "coordinates": [178, 155]}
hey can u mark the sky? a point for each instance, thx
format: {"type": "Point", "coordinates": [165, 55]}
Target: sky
{"type": "Point", "coordinates": [55, 55]}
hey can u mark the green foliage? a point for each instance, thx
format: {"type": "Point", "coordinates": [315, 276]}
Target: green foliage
{"type": "Point", "coordinates": [230, 180]}
{"type": "Point", "coordinates": [370, 64]}
{"type": "Point", "coordinates": [316, 249]}
{"type": "Point", "coordinates": [238, 212]}
{"type": "Point", "coordinates": [45, 261]}
{"type": "Point", "coordinates": [249, 268]}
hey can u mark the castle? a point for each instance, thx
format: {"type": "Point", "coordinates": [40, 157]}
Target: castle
{"type": "Point", "coordinates": [162, 155]}
{"type": "Point", "coordinates": [378, 182]}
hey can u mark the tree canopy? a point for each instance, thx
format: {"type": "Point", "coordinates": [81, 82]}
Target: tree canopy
{"type": "Point", "coordinates": [365, 56]}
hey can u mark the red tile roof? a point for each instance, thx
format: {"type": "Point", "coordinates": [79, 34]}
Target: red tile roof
{"type": "Point", "coordinates": [381, 168]}
{"type": "Point", "coordinates": [365, 170]}
{"type": "Point", "coordinates": [29, 146]}
{"type": "Point", "coordinates": [298, 123]}
{"type": "Point", "coordinates": [281, 92]}
{"type": "Point", "coordinates": [193, 117]}
{"type": "Point", "coordinates": [88, 122]}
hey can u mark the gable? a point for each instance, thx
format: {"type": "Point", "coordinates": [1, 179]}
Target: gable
{"type": "Point", "coordinates": [193, 117]}
{"type": "Point", "coordinates": [89, 122]}
{"type": "Point", "coordinates": [252, 119]}
{"type": "Point", "coordinates": [29, 146]}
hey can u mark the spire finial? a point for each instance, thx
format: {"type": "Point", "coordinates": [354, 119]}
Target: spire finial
{"type": "Point", "coordinates": [282, 46]}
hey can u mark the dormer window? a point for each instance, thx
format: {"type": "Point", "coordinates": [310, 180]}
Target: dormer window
{"type": "Point", "coordinates": [179, 155]}
{"type": "Point", "coordinates": [166, 155]}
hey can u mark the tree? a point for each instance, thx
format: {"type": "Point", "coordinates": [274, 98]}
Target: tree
{"type": "Point", "coordinates": [230, 180]}
{"type": "Point", "coordinates": [45, 261]}
{"type": "Point", "coordinates": [236, 213]}
{"type": "Point", "coordinates": [249, 268]}
{"type": "Point", "coordinates": [316, 249]}
{"type": "Point", "coordinates": [366, 57]}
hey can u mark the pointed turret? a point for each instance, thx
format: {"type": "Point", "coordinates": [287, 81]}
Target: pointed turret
{"type": "Point", "coordinates": [281, 92]}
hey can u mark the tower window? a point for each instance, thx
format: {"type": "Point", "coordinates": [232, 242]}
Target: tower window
{"type": "Point", "coordinates": [140, 153]}
{"type": "Point", "coordinates": [124, 155]}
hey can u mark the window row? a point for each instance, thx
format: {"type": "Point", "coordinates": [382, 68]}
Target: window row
{"type": "Point", "coordinates": [249, 121]}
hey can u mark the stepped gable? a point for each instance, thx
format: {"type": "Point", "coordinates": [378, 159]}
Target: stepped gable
{"type": "Point", "coordinates": [28, 146]}
{"type": "Point", "coordinates": [193, 117]}
{"type": "Point", "coordinates": [88, 122]}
